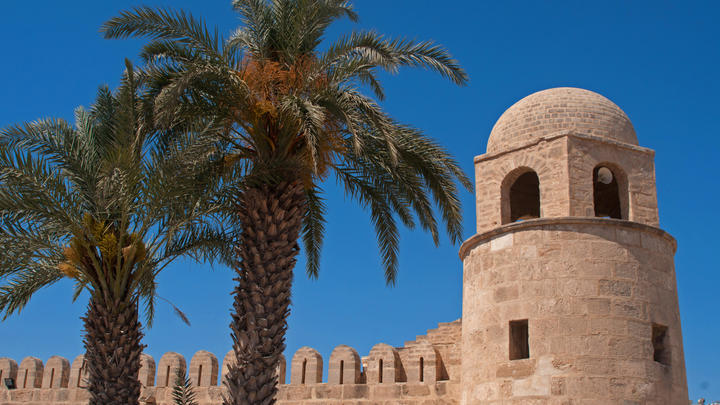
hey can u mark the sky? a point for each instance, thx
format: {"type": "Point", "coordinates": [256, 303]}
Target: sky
{"type": "Point", "coordinates": [658, 60]}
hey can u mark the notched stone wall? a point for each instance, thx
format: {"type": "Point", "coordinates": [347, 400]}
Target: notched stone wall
{"type": "Point", "coordinates": [424, 371]}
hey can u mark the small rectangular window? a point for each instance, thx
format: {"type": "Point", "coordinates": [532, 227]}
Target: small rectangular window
{"type": "Point", "coordinates": [519, 340]}
{"type": "Point", "coordinates": [661, 351]}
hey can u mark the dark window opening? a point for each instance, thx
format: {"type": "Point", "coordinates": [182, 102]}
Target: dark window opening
{"type": "Point", "coordinates": [606, 193]}
{"type": "Point", "coordinates": [661, 353]}
{"type": "Point", "coordinates": [52, 377]}
{"type": "Point", "coordinates": [9, 382]}
{"type": "Point", "coordinates": [199, 375]}
{"type": "Point", "coordinates": [342, 370]}
{"type": "Point", "coordinates": [25, 379]}
{"type": "Point", "coordinates": [303, 371]}
{"type": "Point", "coordinates": [80, 374]}
{"type": "Point", "coordinates": [525, 197]}
{"type": "Point", "coordinates": [422, 369]}
{"type": "Point", "coordinates": [519, 340]}
{"type": "Point", "coordinates": [380, 373]}
{"type": "Point", "coordinates": [167, 377]}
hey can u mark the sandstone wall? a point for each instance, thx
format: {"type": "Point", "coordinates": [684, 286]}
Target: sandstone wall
{"type": "Point", "coordinates": [548, 158]}
{"type": "Point", "coordinates": [591, 290]}
{"type": "Point", "coordinates": [634, 167]}
{"type": "Point", "coordinates": [564, 163]}
{"type": "Point", "coordinates": [424, 371]}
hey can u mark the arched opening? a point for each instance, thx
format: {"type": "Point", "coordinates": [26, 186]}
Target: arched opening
{"type": "Point", "coordinates": [521, 196]}
{"type": "Point", "coordinates": [607, 186]}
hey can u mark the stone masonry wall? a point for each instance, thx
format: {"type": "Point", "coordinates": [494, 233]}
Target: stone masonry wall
{"type": "Point", "coordinates": [633, 165]}
{"type": "Point", "coordinates": [564, 163]}
{"type": "Point", "coordinates": [592, 291]}
{"type": "Point", "coordinates": [352, 380]}
{"type": "Point", "coordinates": [547, 157]}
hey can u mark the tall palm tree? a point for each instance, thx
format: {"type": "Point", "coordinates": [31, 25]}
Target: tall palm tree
{"type": "Point", "coordinates": [294, 114]}
{"type": "Point", "coordinates": [108, 202]}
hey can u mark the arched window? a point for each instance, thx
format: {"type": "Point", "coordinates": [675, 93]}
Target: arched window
{"type": "Point", "coordinates": [608, 186]}
{"type": "Point", "coordinates": [521, 196]}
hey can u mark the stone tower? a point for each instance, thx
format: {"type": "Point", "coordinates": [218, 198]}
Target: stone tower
{"type": "Point", "coordinates": [569, 291]}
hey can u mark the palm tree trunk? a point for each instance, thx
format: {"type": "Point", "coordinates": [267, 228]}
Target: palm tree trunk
{"type": "Point", "coordinates": [271, 218]}
{"type": "Point", "coordinates": [113, 348]}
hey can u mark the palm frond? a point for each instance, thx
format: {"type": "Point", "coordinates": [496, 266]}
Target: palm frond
{"type": "Point", "coordinates": [313, 230]}
{"type": "Point", "coordinates": [164, 24]}
{"type": "Point", "coordinates": [373, 49]}
{"type": "Point", "coordinates": [381, 215]}
{"type": "Point", "coordinates": [16, 293]}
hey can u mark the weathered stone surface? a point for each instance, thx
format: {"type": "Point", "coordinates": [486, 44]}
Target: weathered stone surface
{"type": "Point", "coordinates": [592, 289]}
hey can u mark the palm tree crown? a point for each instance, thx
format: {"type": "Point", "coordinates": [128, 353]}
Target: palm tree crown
{"type": "Point", "coordinates": [288, 107]}
{"type": "Point", "coordinates": [108, 202]}
{"type": "Point", "coordinates": [291, 115]}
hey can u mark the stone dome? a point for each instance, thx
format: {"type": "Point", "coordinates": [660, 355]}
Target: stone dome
{"type": "Point", "coordinates": [562, 108]}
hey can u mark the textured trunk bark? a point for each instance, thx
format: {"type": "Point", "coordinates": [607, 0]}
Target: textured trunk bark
{"type": "Point", "coordinates": [113, 348]}
{"type": "Point", "coordinates": [271, 217]}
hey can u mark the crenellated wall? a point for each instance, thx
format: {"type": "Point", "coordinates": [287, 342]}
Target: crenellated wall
{"type": "Point", "coordinates": [424, 371]}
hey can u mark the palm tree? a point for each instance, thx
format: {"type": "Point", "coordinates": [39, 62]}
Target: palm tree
{"type": "Point", "coordinates": [183, 392]}
{"type": "Point", "coordinates": [294, 114]}
{"type": "Point", "coordinates": [108, 202]}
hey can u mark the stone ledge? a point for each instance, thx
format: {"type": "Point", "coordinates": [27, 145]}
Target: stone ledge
{"type": "Point", "coordinates": [570, 133]}
{"type": "Point", "coordinates": [540, 223]}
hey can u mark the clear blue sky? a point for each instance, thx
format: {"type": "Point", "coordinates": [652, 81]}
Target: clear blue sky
{"type": "Point", "coordinates": [658, 60]}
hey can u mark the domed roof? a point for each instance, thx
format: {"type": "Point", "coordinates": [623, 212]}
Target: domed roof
{"type": "Point", "coordinates": [561, 108]}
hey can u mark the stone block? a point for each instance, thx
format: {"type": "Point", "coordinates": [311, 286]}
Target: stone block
{"type": "Point", "coordinates": [306, 367]}
{"type": "Point", "coordinates": [344, 366]}
{"type": "Point", "coordinates": [615, 288]}
{"type": "Point", "coordinates": [203, 369]}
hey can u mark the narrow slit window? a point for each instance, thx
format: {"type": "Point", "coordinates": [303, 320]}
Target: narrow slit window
{"type": "Point", "coordinates": [80, 374]}
{"type": "Point", "coordinates": [25, 379]}
{"type": "Point", "coordinates": [304, 366]}
{"type": "Point", "coordinates": [52, 377]}
{"type": "Point", "coordinates": [380, 371]}
{"type": "Point", "coordinates": [661, 351]}
{"type": "Point", "coordinates": [199, 380]}
{"type": "Point", "coordinates": [519, 340]}
{"type": "Point", "coordinates": [422, 369]}
{"type": "Point", "coordinates": [167, 377]}
{"type": "Point", "coordinates": [342, 370]}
